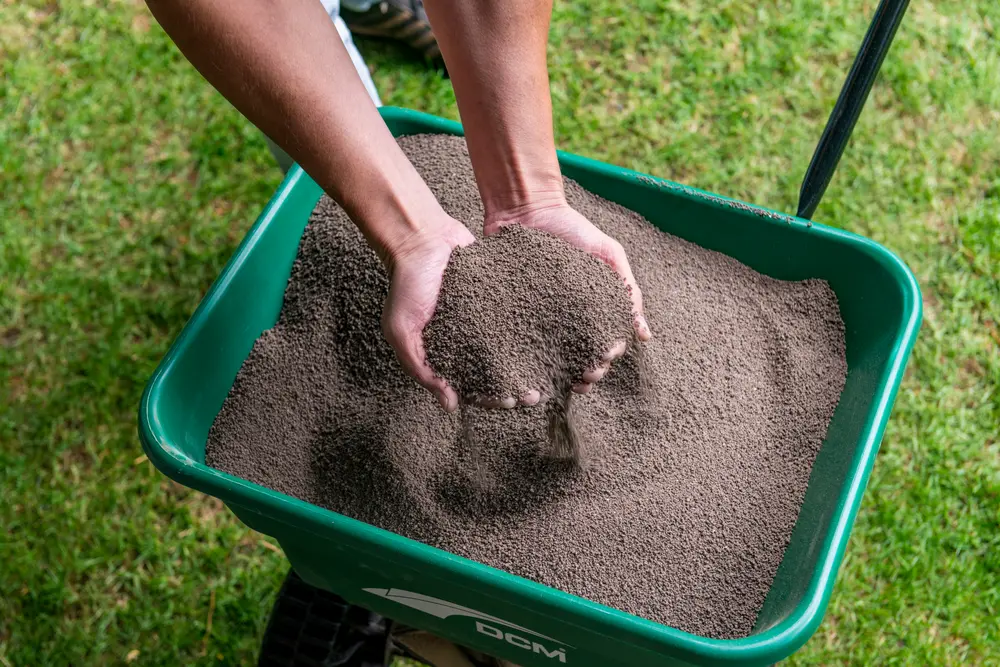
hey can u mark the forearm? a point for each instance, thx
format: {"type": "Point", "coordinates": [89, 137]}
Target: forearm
{"type": "Point", "coordinates": [283, 65]}
{"type": "Point", "coordinates": [496, 58]}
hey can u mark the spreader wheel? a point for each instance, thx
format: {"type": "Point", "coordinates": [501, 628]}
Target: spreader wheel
{"type": "Point", "coordinates": [310, 627]}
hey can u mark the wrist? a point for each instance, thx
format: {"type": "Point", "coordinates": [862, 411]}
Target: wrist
{"type": "Point", "coordinates": [395, 213]}
{"type": "Point", "coordinates": [412, 241]}
{"type": "Point", "coordinates": [524, 208]}
{"type": "Point", "coordinates": [510, 201]}
{"type": "Point", "coordinates": [509, 195]}
{"type": "Point", "coordinates": [515, 170]}
{"type": "Point", "coordinates": [406, 233]}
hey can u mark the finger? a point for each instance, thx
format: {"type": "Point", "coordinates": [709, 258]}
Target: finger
{"type": "Point", "coordinates": [619, 262]}
{"type": "Point", "coordinates": [493, 403]}
{"type": "Point", "coordinates": [595, 374]}
{"type": "Point", "coordinates": [616, 350]}
{"type": "Point", "coordinates": [583, 387]}
{"type": "Point", "coordinates": [598, 372]}
{"type": "Point", "coordinates": [642, 328]}
{"type": "Point", "coordinates": [438, 386]}
{"type": "Point", "coordinates": [409, 348]}
{"type": "Point", "coordinates": [447, 397]}
{"type": "Point", "coordinates": [531, 398]}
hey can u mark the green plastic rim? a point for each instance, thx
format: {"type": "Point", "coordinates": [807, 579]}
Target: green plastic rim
{"type": "Point", "coordinates": [171, 454]}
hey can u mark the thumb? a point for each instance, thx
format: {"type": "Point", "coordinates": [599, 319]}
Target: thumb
{"type": "Point", "coordinates": [619, 262]}
{"type": "Point", "coordinates": [406, 340]}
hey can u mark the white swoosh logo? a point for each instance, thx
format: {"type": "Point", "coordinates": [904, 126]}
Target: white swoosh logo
{"type": "Point", "coordinates": [443, 608]}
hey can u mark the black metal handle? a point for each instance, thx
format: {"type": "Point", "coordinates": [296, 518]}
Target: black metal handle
{"type": "Point", "coordinates": [852, 100]}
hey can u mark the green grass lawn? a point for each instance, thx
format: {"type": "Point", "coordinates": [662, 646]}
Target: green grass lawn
{"type": "Point", "coordinates": [126, 182]}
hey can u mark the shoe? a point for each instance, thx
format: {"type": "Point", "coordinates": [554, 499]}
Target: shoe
{"type": "Point", "coordinates": [401, 20]}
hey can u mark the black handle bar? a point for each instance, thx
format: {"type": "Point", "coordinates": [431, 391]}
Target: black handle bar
{"type": "Point", "coordinates": [852, 100]}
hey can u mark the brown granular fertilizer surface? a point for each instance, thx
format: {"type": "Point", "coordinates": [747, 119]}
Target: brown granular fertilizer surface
{"type": "Point", "coordinates": [695, 472]}
{"type": "Point", "coordinates": [523, 310]}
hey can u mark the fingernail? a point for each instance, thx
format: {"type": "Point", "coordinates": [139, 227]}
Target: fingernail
{"type": "Point", "coordinates": [531, 398]}
{"type": "Point", "coordinates": [642, 328]}
{"type": "Point", "coordinates": [446, 402]}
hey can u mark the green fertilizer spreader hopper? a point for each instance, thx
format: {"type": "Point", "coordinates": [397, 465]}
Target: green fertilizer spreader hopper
{"type": "Point", "coordinates": [487, 609]}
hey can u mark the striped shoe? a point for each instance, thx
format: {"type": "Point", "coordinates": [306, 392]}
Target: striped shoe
{"type": "Point", "coordinates": [400, 20]}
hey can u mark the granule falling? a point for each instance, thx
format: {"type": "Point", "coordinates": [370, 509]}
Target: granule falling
{"type": "Point", "coordinates": [696, 468]}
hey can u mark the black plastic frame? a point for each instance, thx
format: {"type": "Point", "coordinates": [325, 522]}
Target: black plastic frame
{"type": "Point", "coordinates": [853, 96]}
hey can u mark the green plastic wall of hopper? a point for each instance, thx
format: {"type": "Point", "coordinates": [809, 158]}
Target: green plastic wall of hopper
{"type": "Point", "coordinates": [519, 620]}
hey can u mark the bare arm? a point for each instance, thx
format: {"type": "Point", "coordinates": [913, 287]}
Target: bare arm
{"type": "Point", "coordinates": [496, 56]}
{"type": "Point", "coordinates": [282, 64]}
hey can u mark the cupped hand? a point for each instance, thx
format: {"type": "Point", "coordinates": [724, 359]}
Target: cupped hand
{"type": "Point", "coordinates": [561, 220]}
{"type": "Point", "coordinates": [416, 269]}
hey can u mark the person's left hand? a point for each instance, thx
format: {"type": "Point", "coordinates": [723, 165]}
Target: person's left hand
{"type": "Point", "coordinates": [561, 220]}
{"type": "Point", "coordinates": [416, 268]}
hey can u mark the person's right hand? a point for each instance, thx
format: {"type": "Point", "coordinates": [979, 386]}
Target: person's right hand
{"type": "Point", "coordinates": [558, 218]}
{"type": "Point", "coordinates": [416, 267]}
